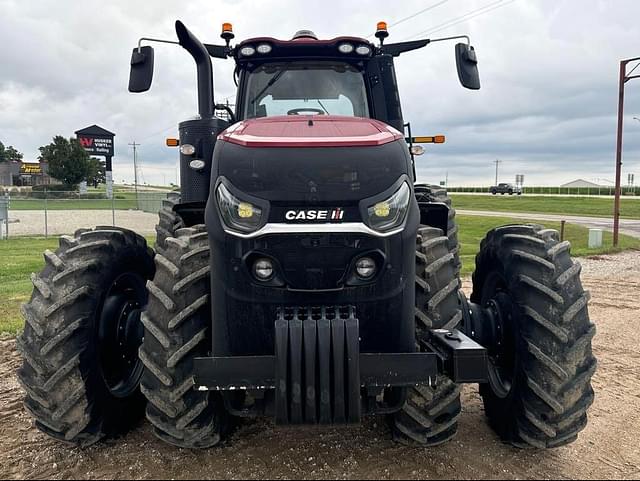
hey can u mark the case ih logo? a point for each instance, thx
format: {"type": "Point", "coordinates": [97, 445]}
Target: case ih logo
{"type": "Point", "coordinates": [307, 215]}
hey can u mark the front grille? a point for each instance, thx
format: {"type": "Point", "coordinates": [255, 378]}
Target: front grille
{"type": "Point", "coordinates": [317, 313]}
{"type": "Point", "coordinates": [316, 262]}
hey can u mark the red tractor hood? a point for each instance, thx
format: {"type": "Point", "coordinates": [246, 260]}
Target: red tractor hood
{"type": "Point", "coordinates": [310, 131]}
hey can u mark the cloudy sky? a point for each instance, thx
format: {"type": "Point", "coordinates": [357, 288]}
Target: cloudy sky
{"type": "Point", "coordinates": [549, 71]}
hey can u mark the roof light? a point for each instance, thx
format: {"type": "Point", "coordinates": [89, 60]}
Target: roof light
{"type": "Point", "coordinates": [363, 50]}
{"type": "Point", "coordinates": [382, 31]}
{"type": "Point", "coordinates": [305, 34]}
{"type": "Point", "coordinates": [346, 48]}
{"type": "Point", "coordinates": [247, 51]}
{"type": "Point", "coordinates": [264, 49]}
{"type": "Point", "coordinates": [227, 33]}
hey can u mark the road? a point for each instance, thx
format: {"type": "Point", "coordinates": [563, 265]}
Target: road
{"type": "Point", "coordinates": [628, 227]}
{"type": "Point", "coordinates": [59, 222]}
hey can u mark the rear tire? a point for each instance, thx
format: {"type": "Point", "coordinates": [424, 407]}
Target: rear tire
{"type": "Point", "coordinates": [81, 372]}
{"type": "Point", "coordinates": [169, 221]}
{"type": "Point", "coordinates": [540, 387]}
{"type": "Point", "coordinates": [178, 330]}
{"type": "Point", "coordinates": [430, 415]}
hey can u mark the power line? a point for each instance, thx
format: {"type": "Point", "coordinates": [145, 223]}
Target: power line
{"type": "Point", "coordinates": [157, 134]}
{"type": "Point", "coordinates": [424, 10]}
{"type": "Point", "coordinates": [463, 18]}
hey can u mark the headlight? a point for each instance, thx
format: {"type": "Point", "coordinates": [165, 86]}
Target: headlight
{"type": "Point", "coordinates": [389, 214]}
{"type": "Point", "coordinates": [237, 214]}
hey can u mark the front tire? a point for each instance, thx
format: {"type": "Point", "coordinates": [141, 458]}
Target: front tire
{"type": "Point", "coordinates": [433, 193]}
{"type": "Point", "coordinates": [81, 371]}
{"type": "Point", "coordinates": [178, 330]}
{"type": "Point", "coordinates": [430, 415]}
{"type": "Point", "coordinates": [540, 387]}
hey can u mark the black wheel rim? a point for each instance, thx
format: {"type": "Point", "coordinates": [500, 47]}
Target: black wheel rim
{"type": "Point", "coordinates": [120, 334]}
{"type": "Point", "coordinates": [503, 358]}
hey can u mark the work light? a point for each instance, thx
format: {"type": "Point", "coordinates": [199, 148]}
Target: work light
{"type": "Point", "coordinates": [187, 149]}
{"type": "Point", "coordinates": [346, 48]}
{"type": "Point", "coordinates": [247, 51]}
{"type": "Point", "coordinates": [390, 213]}
{"type": "Point", "coordinates": [264, 49]}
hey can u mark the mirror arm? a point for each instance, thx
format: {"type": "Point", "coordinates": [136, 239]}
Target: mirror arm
{"type": "Point", "coordinates": [156, 40]}
{"type": "Point", "coordinates": [446, 39]}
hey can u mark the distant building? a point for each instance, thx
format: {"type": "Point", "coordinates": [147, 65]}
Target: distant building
{"type": "Point", "coordinates": [581, 183]}
{"type": "Point", "coordinates": [24, 174]}
{"type": "Point", "coordinates": [9, 173]}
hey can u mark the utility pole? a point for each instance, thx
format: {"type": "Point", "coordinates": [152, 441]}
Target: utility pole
{"type": "Point", "coordinates": [624, 78]}
{"type": "Point", "coordinates": [497, 162]}
{"type": "Point", "coordinates": [135, 171]}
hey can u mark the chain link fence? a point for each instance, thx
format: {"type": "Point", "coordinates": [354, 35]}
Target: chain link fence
{"type": "Point", "coordinates": [575, 191]}
{"type": "Point", "coordinates": [44, 213]}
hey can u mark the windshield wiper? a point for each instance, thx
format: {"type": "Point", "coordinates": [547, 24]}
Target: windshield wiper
{"type": "Point", "coordinates": [273, 80]}
{"type": "Point", "coordinates": [323, 107]}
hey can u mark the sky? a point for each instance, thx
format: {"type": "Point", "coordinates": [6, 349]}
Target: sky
{"type": "Point", "coordinates": [547, 107]}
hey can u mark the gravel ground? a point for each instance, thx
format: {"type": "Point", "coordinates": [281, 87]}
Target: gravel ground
{"type": "Point", "coordinates": [607, 449]}
{"type": "Point", "coordinates": [59, 222]}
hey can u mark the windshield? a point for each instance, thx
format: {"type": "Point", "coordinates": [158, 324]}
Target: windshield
{"type": "Point", "coordinates": [305, 88]}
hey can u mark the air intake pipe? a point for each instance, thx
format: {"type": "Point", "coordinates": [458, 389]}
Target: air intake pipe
{"type": "Point", "coordinates": [191, 44]}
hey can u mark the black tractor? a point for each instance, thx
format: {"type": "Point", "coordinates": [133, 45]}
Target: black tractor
{"type": "Point", "coordinates": [302, 274]}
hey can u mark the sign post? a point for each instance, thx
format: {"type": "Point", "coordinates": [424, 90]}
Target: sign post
{"type": "Point", "coordinates": [97, 141]}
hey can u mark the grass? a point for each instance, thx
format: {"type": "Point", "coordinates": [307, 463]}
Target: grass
{"type": "Point", "coordinates": [18, 259]}
{"type": "Point", "coordinates": [584, 206]}
{"type": "Point", "coordinates": [22, 256]}
{"type": "Point", "coordinates": [473, 229]}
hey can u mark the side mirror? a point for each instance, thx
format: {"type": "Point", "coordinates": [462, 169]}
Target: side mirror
{"type": "Point", "coordinates": [467, 64]}
{"type": "Point", "coordinates": [141, 69]}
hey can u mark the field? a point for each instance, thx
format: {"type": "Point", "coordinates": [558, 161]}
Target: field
{"type": "Point", "coordinates": [20, 257]}
{"type": "Point", "coordinates": [581, 206]}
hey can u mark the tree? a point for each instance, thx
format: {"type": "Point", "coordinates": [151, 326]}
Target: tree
{"type": "Point", "coordinates": [68, 161]}
{"type": "Point", "coordinates": [96, 172]}
{"type": "Point", "coordinates": [9, 154]}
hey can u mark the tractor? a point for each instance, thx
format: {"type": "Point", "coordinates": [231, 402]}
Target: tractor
{"type": "Point", "coordinates": [302, 274]}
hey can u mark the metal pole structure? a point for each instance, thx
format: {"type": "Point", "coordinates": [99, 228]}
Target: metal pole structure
{"type": "Point", "coordinates": [135, 171]}
{"type": "Point", "coordinates": [46, 216]}
{"type": "Point", "coordinates": [497, 162]}
{"type": "Point", "coordinates": [624, 78]}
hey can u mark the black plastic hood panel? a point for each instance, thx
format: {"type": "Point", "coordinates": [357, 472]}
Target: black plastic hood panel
{"type": "Point", "coordinates": [312, 175]}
